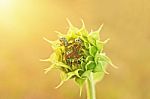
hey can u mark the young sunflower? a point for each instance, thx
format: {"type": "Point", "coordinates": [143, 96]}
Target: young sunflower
{"type": "Point", "coordinates": [79, 55]}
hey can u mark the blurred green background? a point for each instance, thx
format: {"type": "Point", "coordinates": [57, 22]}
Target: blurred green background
{"type": "Point", "coordinates": [23, 23]}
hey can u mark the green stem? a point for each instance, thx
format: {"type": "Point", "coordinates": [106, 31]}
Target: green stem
{"type": "Point", "coordinates": [91, 88]}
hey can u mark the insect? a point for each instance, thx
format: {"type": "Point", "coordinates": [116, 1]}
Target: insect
{"type": "Point", "coordinates": [78, 41]}
{"type": "Point", "coordinates": [63, 41]}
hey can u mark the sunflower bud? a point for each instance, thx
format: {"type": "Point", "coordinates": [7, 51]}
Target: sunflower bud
{"type": "Point", "coordinates": [78, 54]}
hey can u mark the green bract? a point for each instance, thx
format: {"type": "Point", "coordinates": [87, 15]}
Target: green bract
{"type": "Point", "coordinates": [78, 54]}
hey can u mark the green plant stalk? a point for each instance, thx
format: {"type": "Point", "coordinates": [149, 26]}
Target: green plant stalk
{"type": "Point", "coordinates": [91, 94]}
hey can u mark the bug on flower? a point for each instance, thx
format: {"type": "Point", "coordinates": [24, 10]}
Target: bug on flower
{"type": "Point", "coordinates": [63, 41]}
{"type": "Point", "coordinates": [78, 41]}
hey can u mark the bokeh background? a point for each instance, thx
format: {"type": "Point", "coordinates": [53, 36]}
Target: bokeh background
{"type": "Point", "coordinates": [23, 24]}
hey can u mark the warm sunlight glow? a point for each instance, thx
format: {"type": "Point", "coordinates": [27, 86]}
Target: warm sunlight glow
{"type": "Point", "coordinates": [5, 4]}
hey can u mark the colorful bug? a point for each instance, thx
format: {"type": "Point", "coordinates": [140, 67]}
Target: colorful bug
{"type": "Point", "coordinates": [78, 41]}
{"type": "Point", "coordinates": [63, 41]}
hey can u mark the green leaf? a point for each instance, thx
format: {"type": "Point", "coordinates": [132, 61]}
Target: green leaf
{"type": "Point", "coordinates": [86, 74]}
{"type": "Point", "coordinates": [92, 50]}
{"type": "Point", "coordinates": [100, 67]}
{"type": "Point", "coordinates": [86, 52]}
{"type": "Point", "coordinates": [61, 64]}
{"type": "Point", "coordinates": [103, 57]}
{"type": "Point", "coordinates": [83, 32]}
{"type": "Point", "coordinates": [84, 39]}
{"type": "Point", "coordinates": [98, 76]}
{"type": "Point", "coordinates": [62, 48]}
{"type": "Point", "coordinates": [63, 77]}
{"type": "Point", "coordinates": [96, 58]}
{"type": "Point", "coordinates": [83, 64]}
{"type": "Point", "coordinates": [104, 42]}
{"type": "Point", "coordinates": [89, 58]}
{"type": "Point", "coordinates": [73, 35]}
{"type": "Point", "coordinates": [92, 40]}
{"type": "Point", "coordinates": [90, 65]}
{"type": "Point", "coordinates": [67, 76]}
{"type": "Point", "coordinates": [103, 66]}
{"type": "Point", "coordinates": [51, 59]}
{"type": "Point", "coordinates": [100, 63]}
{"type": "Point", "coordinates": [99, 45]}
{"type": "Point", "coordinates": [49, 68]}
{"type": "Point", "coordinates": [73, 73]}
{"type": "Point", "coordinates": [86, 45]}
{"type": "Point", "coordinates": [95, 34]}
{"type": "Point", "coordinates": [59, 85]}
{"type": "Point", "coordinates": [80, 82]}
{"type": "Point", "coordinates": [72, 29]}
{"type": "Point", "coordinates": [58, 53]}
{"type": "Point", "coordinates": [54, 44]}
{"type": "Point", "coordinates": [76, 72]}
{"type": "Point", "coordinates": [54, 58]}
